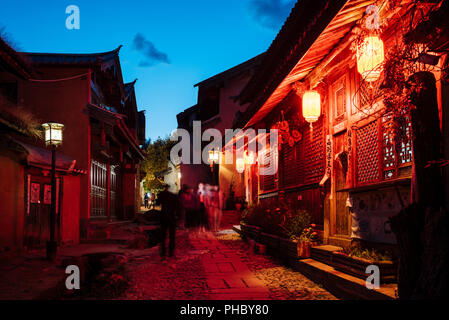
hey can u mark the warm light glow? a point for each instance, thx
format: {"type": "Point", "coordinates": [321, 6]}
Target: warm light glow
{"type": "Point", "coordinates": [214, 156]}
{"type": "Point", "coordinates": [370, 55]}
{"type": "Point", "coordinates": [311, 106]}
{"type": "Point", "coordinates": [250, 158]}
{"type": "Point", "coordinates": [179, 175]}
{"type": "Point", "coordinates": [240, 165]}
{"type": "Point", "coordinates": [53, 133]}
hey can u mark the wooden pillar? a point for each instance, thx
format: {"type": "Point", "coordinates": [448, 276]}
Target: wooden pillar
{"type": "Point", "coordinates": [108, 191]}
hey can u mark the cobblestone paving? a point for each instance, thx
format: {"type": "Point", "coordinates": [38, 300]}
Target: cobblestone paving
{"type": "Point", "coordinates": [185, 276]}
{"type": "Point", "coordinates": [283, 282]}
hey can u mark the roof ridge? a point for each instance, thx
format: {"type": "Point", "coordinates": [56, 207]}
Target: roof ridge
{"type": "Point", "coordinates": [116, 50]}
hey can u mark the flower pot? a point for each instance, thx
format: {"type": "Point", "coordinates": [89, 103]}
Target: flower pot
{"type": "Point", "coordinates": [357, 266]}
{"type": "Point", "coordinates": [304, 249]}
{"type": "Point", "coordinates": [238, 206]}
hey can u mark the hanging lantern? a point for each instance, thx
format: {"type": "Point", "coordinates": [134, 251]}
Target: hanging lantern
{"type": "Point", "coordinates": [240, 165]}
{"type": "Point", "coordinates": [370, 55]}
{"type": "Point", "coordinates": [311, 106]}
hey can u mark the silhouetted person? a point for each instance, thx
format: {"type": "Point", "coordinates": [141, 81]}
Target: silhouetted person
{"type": "Point", "coordinates": [169, 209]}
{"type": "Point", "coordinates": [146, 199]}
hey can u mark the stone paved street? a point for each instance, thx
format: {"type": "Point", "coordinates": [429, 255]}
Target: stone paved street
{"type": "Point", "coordinates": [217, 267]}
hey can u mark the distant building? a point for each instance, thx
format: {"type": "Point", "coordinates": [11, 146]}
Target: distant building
{"type": "Point", "coordinates": [217, 108]}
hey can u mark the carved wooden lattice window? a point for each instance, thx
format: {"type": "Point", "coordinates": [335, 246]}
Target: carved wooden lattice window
{"type": "Point", "coordinates": [368, 154]}
{"type": "Point", "coordinates": [393, 158]}
{"type": "Point", "coordinates": [115, 180]}
{"type": "Point", "coordinates": [340, 99]}
{"type": "Point", "coordinates": [405, 152]}
{"type": "Point", "coordinates": [313, 153]}
{"type": "Point", "coordinates": [268, 182]}
{"type": "Point", "coordinates": [389, 156]}
{"type": "Point", "coordinates": [98, 180]}
{"type": "Point", "coordinates": [291, 168]}
{"type": "Point", "coordinates": [375, 163]}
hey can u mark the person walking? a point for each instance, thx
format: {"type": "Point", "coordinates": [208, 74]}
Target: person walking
{"type": "Point", "coordinates": [183, 201]}
{"type": "Point", "coordinates": [201, 213]}
{"type": "Point", "coordinates": [169, 203]}
{"type": "Point", "coordinates": [146, 199]}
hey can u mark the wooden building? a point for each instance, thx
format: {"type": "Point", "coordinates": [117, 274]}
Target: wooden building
{"type": "Point", "coordinates": [345, 168]}
{"type": "Point", "coordinates": [218, 109]}
{"type": "Point", "coordinates": [98, 161]}
{"type": "Point", "coordinates": [25, 164]}
{"type": "Point", "coordinates": [103, 129]}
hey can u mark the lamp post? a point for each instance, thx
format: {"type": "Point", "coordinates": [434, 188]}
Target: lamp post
{"type": "Point", "coordinates": [214, 157]}
{"type": "Point", "coordinates": [53, 138]}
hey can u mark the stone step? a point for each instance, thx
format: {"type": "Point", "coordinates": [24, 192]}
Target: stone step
{"type": "Point", "coordinates": [342, 285]}
{"type": "Point", "coordinates": [323, 253]}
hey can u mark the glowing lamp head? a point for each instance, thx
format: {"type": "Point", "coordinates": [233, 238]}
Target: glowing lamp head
{"type": "Point", "coordinates": [370, 56]}
{"type": "Point", "coordinates": [311, 106]}
{"type": "Point", "coordinates": [250, 158]}
{"type": "Point", "coordinates": [214, 156]}
{"type": "Point", "coordinates": [240, 165]}
{"type": "Point", "coordinates": [53, 133]}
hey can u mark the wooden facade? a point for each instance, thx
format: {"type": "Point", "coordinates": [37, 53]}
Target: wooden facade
{"type": "Point", "coordinates": [348, 172]}
{"type": "Point", "coordinates": [98, 161]}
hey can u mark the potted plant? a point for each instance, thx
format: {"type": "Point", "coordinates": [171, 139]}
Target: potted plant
{"type": "Point", "coordinates": [250, 223]}
{"type": "Point", "coordinates": [293, 226]}
{"type": "Point", "coordinates": [307, 239]}
{"type": "Point", "coordinates": [354, 261]}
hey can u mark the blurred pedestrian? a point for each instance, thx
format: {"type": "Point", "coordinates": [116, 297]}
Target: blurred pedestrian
{"type": "Point", "coordinates": [182, 215]}
{"type": "Point", "coordinates": [146, 198]}
{"type": "Point", "coordinates": [169, 210]}
{"type": "Point", "coordinates": [188, 206]}
{"type": "Point", "coordinates": [202, 215]}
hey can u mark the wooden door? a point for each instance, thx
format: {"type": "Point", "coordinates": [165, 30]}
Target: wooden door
{"type": "Point", "coordinates": [37, 215]}
{"type": "Point", "coordinates": [342, 213]}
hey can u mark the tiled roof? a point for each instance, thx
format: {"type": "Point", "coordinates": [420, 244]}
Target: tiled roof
{"type": "Point", "coordinates": [14, 60]}
{"type": "Point", "coordinates": [242, 67]}
{"type": "Point", "coordinates": [129, 88]}
{"type": "Point", "coordinates": [72, 58]}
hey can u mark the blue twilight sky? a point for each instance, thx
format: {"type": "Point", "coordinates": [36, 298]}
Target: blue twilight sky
{"type": "Point", "coordinates": [169, 45]}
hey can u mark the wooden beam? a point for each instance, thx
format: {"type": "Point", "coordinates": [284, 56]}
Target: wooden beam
{"type": "Point", "coordinates": [321, 71]}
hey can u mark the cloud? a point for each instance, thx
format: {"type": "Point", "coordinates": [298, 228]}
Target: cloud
{"type": "Point", "coordinates": [270, 13]}
{"type": "Point", "coordinates": [152, 55]}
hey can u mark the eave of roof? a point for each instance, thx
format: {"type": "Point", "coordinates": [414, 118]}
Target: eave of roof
{"type": "Point", "coordinates": [81, 59]}
{"type": "Point", "coordinates": [115, 119]}
{"type": "Point", "coordinates": [307, 21]}
{"type": "Point", "coordinates": [15, 60]}
{"type": "Point", "coordinates": [232, 72]}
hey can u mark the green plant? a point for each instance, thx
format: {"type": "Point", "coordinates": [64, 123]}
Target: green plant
{"type": "Point", "coordinates": [309, 234]}
{"type": "Point", "coordinates": [368, 254]}
{"type": "Point", "coordinates": [293, 226]}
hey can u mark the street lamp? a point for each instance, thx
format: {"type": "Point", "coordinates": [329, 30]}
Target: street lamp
{"type": "Point", "coordinates": [53, 138]}
{"type": "Point", "coordinates": [214, 156]}
{"type": "Point", "coordinates": [240, 165]}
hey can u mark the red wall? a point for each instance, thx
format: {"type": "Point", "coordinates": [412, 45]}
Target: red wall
{"type": "Point", "coordinates": [65, 102]}
{"type": "Point", "coordinates": [70, 218]}
{"type": "Point", "coordinates": [12, 186]}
